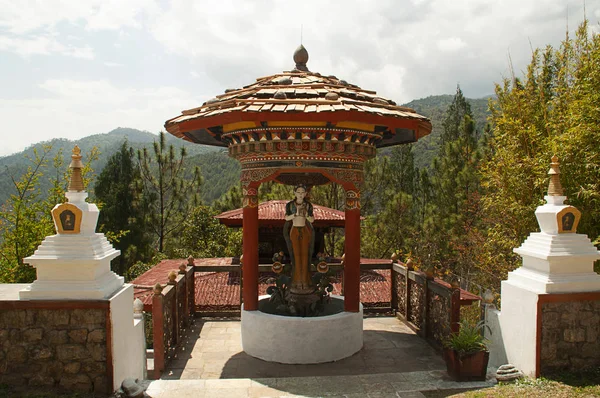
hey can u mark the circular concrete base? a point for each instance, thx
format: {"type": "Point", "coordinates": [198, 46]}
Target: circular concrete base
{"type": "Point", "coordinates": [297, 340]}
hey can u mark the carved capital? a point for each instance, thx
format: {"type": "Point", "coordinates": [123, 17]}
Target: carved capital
{"type": "Point", "coordinates": [352, 200]}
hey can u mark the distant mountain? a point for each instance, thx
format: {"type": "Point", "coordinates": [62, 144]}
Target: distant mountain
{"type": "Point", "coordinates": [108, 143]}
{"type": "Point", "coordinates": [434, 107]}
{"type": "Point", "coordinates": [220, 172]}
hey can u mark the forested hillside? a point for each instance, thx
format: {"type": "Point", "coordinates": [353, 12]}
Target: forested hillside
{"type": "Point", "coordinates": [106, 144]}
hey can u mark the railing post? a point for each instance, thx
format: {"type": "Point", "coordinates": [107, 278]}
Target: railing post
{"type": "Point", "coordinates": [394, 281]}
{"type": "Point", "coordinates": [192, 288]}
{"type": "Point", "coordinates": [455, 311]}
{"type": "Point", "coordinates": [425, 326]}
{"type": "Point", "coordinates": [158, 331]}
{"type": "Point", "coordinates": [175, 313]}
{"type": "Point", "coordinates": [185, 312]}
{"type": "Point", "coordinates": [407, 307]}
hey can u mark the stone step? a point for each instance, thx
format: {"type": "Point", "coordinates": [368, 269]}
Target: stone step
{"type": "Point", "coordinates": [409, 384]}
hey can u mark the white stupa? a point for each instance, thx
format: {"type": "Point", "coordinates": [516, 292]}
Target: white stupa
{"type": "Point", "coordinates": [74, 263]}
{"type": "Point", "coordinates": [557, 259]}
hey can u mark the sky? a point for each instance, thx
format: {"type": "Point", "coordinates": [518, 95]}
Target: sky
{"type": "Point", "coordinates": [72, 68]}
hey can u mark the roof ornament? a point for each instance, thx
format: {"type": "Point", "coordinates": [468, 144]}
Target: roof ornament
{"type": "Point", "coordinates": [301, 58]}
{"type": "Point", "coordinates": [554, 187]}
{"type": "Point", "coordinates": [76, 182]}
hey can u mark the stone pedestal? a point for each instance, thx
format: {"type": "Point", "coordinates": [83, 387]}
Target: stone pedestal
{"type": "Point", "coordinates": [558, 266]}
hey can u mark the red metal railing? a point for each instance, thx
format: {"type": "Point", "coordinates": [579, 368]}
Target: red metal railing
{"type": "Point", "coordinates": [172, 311]}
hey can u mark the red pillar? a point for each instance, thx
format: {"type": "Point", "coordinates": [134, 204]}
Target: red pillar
{"type": "Point", "coordinates": [250, 259]}
{"type": "Point", "coordinates": [352, 252]}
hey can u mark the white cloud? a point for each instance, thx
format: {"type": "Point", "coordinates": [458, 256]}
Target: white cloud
{"type": "Point", "coordinates": [43, 45]}
{"type": "Point", "coordinates": [76, 108]}
{"type": "Point", "coordinates": [31, 26]}
{"type": "Point", "coordinates": [451, 44]}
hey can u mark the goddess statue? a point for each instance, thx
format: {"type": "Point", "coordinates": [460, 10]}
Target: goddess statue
{"type": "Point", "coordinates": [299, 237]}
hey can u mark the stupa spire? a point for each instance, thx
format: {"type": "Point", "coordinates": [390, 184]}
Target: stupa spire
{"type": "Point", "coordinates": [76, 182]}
{"type": "Point", "coordinates": [554, 186]}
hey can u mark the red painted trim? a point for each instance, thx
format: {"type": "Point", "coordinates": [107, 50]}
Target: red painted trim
{"type": "Point", "coordinates": [565, 297]}
{"type": "Point", "coordinates": [332, 117]}
{"type": "Point", "coordinates": [250, 261]}
{"type": "Point", "coordinates": [109, 353]}
{"type": "Point", "coordinates": [352, 261]}
{"type": "Point", "coordinates": [538, 337]}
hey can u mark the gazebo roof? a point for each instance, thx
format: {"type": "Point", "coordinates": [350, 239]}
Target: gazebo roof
{"type": "Point", "coordinates": [272, 212]}
{"type": "Point", "coordinates": [298, 96]}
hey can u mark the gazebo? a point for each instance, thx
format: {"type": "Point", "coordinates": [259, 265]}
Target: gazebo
{"type": "Point", "coordinates": [297, 127]}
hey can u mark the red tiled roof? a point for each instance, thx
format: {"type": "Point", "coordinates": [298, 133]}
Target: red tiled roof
{"type": "Point", "coordinates": [218, 290]}
{"type": "Point", "coordinates": [273, 212]}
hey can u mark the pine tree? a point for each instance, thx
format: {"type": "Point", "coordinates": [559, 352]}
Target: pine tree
{"type": "Point", "coordinates": [122, 217]}
{"type": "Point", "coordinates": [167, 194]}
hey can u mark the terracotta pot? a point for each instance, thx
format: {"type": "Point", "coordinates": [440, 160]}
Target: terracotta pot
{"type": "Point", "coordinates": [468, 367]}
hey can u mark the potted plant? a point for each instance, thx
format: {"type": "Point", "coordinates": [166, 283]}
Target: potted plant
{"type": "Point", "coordinates": [466, 352]}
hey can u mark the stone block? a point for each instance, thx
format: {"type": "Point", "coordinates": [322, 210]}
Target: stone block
{"type": "Point", "coordinates": [55, 369]}
{"type": "Point", "coordinates": [569, 318]}
{"type": "Point", "coordinates": [90, 318]}
{"type": "Point", "coordinates": [16, 354]}
{"type": "Point", "coordinates": [550, 335]}
{"type": "Point", "coordinates": [72, 367]}
{"type": "Point", "coordinates": [101, 384]}
{"type": "Point", "coordinates": [81, 383]}
{"type": "Point", "coordinates": [40, 380]}
{"type": "Point", "coordinates": [574, 335]}
{"type": "Point", "coordinates": [97, 351]}
{"type": "Point", "coordinates": [29, 369]}
{"type": "Point", "coordinates": [71, 352]}
{"type": "Point", "coordinates": [31, 335]}
{"type": "Point", "coordinates": [93, 367]}
{"type": "Point", "coordinates": [14, 335]}
{"type": "Point", "coordinates": [41, 352]}
{"type": "Point", "coordinates": [16, 319]}
{"type": "Point", "coordinates": [590, 319]}
{"type": "Point", "coordinates": [591, 333]}
{"type": "Point", "coordinates": [551, 318]}
{"type": "Point", "coordinates": [13, 379]}
{"type": "Point", "coordinates": [57, 337]}
{"type": "Point", "coordinates": [52, 318]}
{"type": "Point", "coordinates": [97, 336]}
{"type": "Point", "coordinates": [548, 351]}
{"type": "Point", "coordinates": [78, 335]}
{"type": "Point", "coordinates": [3, 335]}
{"type": "Point", "coordinates": [590, 350]}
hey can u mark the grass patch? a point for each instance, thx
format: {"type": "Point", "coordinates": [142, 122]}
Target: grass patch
{"type": "Point", "coordinates": [558, 385]}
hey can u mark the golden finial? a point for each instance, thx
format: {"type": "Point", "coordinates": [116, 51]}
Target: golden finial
{"type": "Point", "coordinates": [172, 276]}
{"type": "Point", "coordinates": [554, 187]}
{"type": "Point", "coordinates": [157, 289]}
{"type": "Point", "coordinates": [76, 183]}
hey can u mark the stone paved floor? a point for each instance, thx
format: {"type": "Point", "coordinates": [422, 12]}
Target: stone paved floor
{"type": "Point", "coordinates": [213, 351]}
{"type": "Point", "coordinates": [394, 362]}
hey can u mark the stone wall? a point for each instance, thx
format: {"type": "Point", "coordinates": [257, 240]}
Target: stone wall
{"type": "Point", "coordinates": [570, 335]}
{"type": "Point", "coordinates": [54, 348]}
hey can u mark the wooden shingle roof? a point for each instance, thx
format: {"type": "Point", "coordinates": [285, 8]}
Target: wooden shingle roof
{"type": "Point", "coordinates": [296, 95]}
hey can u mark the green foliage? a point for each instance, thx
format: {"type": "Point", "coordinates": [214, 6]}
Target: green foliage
{"type": "Point", "coordinates": [552, 110]}
{"type": "Point", "coordinates": [202, 236]}
{"type": "Point", "coordinates": [25, 220]}
{"type": "Point", "coordinates": [122, 216]}
{"type": "Point", "coordinates": [469, 339]}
